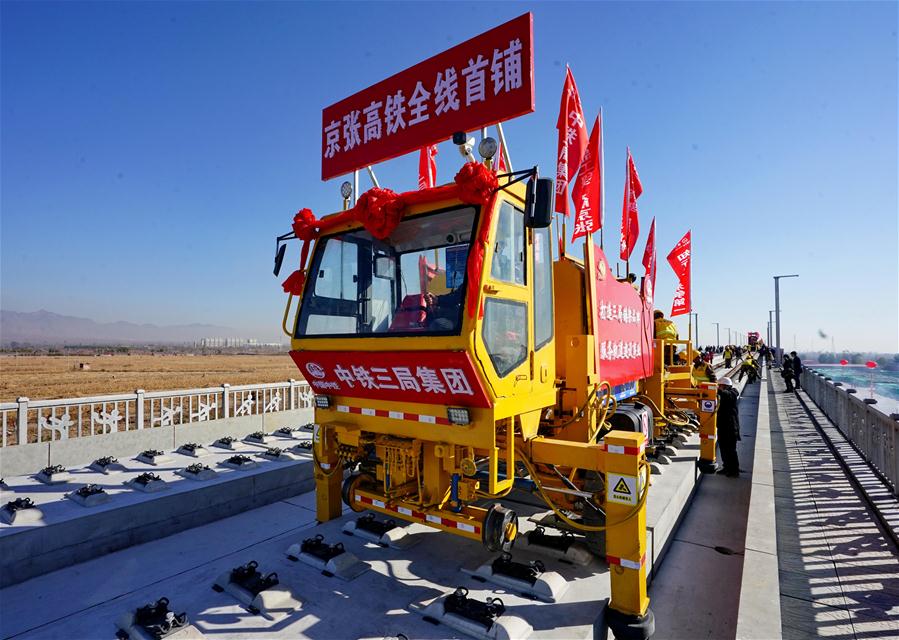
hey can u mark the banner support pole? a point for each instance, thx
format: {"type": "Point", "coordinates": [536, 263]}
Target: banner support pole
{"type": "Point", "coordinates": [371, 174]}
{"type": "Point", "coordinates": [502, 141]}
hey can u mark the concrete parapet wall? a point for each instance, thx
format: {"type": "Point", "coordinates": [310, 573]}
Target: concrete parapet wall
{"type": "Point", "coordinates": [30, 458]}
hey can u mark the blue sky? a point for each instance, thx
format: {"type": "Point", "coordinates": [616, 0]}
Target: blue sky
{"type": "Point", "coordinates": [151, 151]}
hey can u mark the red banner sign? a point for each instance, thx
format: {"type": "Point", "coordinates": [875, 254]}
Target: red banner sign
{"type": "Point", "coordinates": [430, 377]}
{"type": "Point", "coordinates": [623, 327]}
{"type": "Point", "coordinates": [679, 259]}
{"type": "Point", "coordinates": [480, 82]}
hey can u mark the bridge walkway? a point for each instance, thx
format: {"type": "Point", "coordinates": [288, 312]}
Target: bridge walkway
{"type": "Point", "coordinates": [791, 549]}
{"type": "Point", "coordinates": [839, 569]}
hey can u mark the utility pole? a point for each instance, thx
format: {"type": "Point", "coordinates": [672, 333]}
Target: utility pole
{"type": "Point", "coordinates": [717, 334]}
{"type": "Point", "coordinates": [777, 311]}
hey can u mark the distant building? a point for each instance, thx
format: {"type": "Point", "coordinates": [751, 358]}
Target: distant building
{"type": "Point", "coordinates": [234, 343]}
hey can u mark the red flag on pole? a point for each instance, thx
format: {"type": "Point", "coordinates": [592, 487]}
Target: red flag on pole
{"type": "Point", "coordinates": [427, 167]}
{"type": "Point", "coordinates": [501, 162]}
{"type": "Point", "coordinates": [587, 188]}
{"type": "Point", "coordinates": [572, 140]}
{"type": "Point", "coordinates": [679, 259]}
{"type": "Point", "coordinates": [649, 263]}
{"type": "Point", "coordinates": [630, 224]}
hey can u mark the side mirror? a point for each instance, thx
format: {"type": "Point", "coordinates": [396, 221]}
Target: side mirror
{"type": "Point", "coordinates": [538, 203]}
{"type": "Point", "coordinates": [279, 258]}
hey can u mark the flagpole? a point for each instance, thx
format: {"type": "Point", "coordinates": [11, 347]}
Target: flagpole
{"type": "Point", "coordinates": [558, 234]}
{"type": "Point", "coordinates": [626, 226]}
{"type": "Point", "coordinates": [602, 177]}
{"type": "Point", "coordinates": [690, 280]}
{"type": "Point", "coordinates": [690, 333]}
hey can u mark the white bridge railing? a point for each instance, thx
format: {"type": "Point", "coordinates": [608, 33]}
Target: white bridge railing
{"type": "Point", "coordinates": [35, 421]}
{"type": "Point", "coordinates": [874, 433]}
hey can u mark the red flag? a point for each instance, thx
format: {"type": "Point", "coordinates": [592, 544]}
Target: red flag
{"type": "Point", "coordinates": [501, 162]}
{"type": "Point", "coordinates": [630, 224]}
{"type": "Point", "coordinates": [649, 263]}
{"type": "Point", "coordinates": [679, 259]}
{"type": "Point", "coordinates": [427, 167]}
{"type": "Point", "coordinates": [587, 188]}
{"type": "Point", "coordinates": [572, 140]}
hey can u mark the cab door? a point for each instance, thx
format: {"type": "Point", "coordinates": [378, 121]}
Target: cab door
{"type": "Point", "coordinates": [544, 349]}
{"type": "Point", "coordinates": [505, 339]}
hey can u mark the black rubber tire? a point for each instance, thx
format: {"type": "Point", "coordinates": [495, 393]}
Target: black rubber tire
{"type": "Point", "coordinates": [347, 489]}
{"type": "Point", "coordinates": [630, 627]}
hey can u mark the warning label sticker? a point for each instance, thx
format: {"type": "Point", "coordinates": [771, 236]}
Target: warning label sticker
{"type": "Point", "coordinates": [621, 489]}
{"type": "Point", "coordinates": [707, 406]}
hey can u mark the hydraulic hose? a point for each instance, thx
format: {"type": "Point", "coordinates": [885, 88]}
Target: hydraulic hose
{"type": "Point", "coordinates": [320, 469]}
{"type": "Point", "coordinates": [679, 421]}
{"type": "Point", "coordinates": [607, 402]}
{"type": "Point", "coordinates": [584, 527]}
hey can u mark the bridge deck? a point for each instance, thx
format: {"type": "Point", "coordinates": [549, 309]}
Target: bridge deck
{"type": "Point", "coordinates": [790, 549]}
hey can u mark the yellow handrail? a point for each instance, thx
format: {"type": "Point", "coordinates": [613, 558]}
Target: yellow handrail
{"type": "Point", "coordinates": [284, 321]}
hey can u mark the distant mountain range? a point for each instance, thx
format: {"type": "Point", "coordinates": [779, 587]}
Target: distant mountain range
{"type": "Point", "coordinates": [45, 327]}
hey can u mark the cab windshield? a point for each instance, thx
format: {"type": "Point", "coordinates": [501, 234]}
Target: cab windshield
{"type": "Point", "coordinates": [411, 283]}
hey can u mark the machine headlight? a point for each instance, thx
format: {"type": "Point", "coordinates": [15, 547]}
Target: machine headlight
{"type": "Point", "coordinates": [458, 415]}
{"type": "Point", "coordinates": [322, 402]}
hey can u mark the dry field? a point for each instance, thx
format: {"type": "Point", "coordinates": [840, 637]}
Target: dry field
{"type": "Point", "coordinates": [45, 377]}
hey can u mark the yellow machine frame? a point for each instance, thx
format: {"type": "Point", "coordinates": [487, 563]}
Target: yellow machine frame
{"type": "Point", "coordinates": [545, 415]}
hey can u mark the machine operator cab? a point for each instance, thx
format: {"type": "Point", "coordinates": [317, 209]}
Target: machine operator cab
{"type": "Point", "coordinates": [410, 292]}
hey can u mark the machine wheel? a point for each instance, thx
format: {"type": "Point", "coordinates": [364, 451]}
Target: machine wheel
{"type": "Point", "coordinates": [348, 490]}
{"type": "Point", "coordinates": [630, 627]}
{"type": "Point", "coordinates": [500, 527]}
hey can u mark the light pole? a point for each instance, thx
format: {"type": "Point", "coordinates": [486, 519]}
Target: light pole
{"type": "Point", "coordinates": [717, 334]}
{"type": "Point", "coordinates": [770, 327]}
{"type": "Point", "coordinates": [728, 335]}
{"type": "Point", "coordinates": [777, 311]}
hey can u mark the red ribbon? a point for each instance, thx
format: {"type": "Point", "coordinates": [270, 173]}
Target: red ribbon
{"type": "Point", "coordinates": [305, 229]}
{"type": "Point", "coordinates": [477, 185]}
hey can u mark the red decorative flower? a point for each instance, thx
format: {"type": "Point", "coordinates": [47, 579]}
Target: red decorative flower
{"type": "Point", "coordinates": [476, 183]}
{"type": "Point", "coordinates": [380, 211]}
{"type": "Point", "coordinates": [305, 225]}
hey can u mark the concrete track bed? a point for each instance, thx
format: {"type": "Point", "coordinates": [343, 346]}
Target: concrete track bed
{"type": "Point", "coordinates": [67, 532]}
{"type": "Point", "coordinates": [85, 600]}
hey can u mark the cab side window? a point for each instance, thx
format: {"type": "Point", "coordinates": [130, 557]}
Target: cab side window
{"type": "Point", "coordinates": [543, 288]}
{"type": "Point", "coordinates": [508, 256]}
